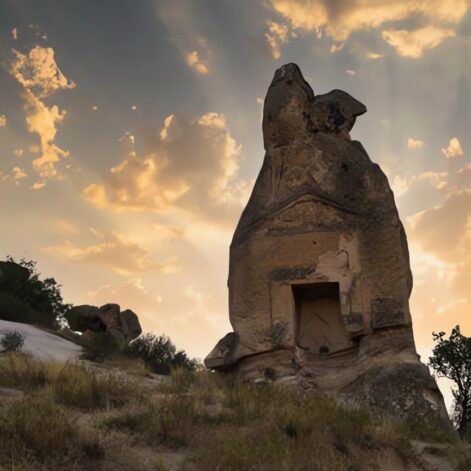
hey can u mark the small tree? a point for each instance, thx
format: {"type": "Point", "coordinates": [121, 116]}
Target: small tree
{"type": "Point", "coordinates": [451, 358]}
{"type": "Point", "coordinates": [42, 296]}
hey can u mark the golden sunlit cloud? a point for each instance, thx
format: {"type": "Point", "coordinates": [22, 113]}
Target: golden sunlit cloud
{"type": "Point", "coordinates": [116, 251]}
{"type": "Point", "coordinates": [42, 121]}
{"type": "Point", "coordinates": [278, 34]}
{"type": "Point", "coordinates": [445, 232]}
{"type": "Point", "coordinates": [401, 184]}
{"type": "Point", "coordinates": [129, 295]}
{"type": "Point", "coordinates": [38, 72]}
{"type": "Point", "coordinates": [413, 43]}
{"type": "Point", "coordinates": [414, 143]}
{"type": "Point", "coordinates": [40, 76]}
{"type": "Point", "coordinates": [193, 165]}
{"type": "Point", "coordinates": [3, 120]}
{"type": "Point", "coordinates": [193, 60]}
{"type": "Point", "coordinates": [18, 173]}
{"type": "Point", "coordinates": [454, 149]}
{"type": "Point", "coordinates": [37, 185]}
{"type": "Point", "coordinates": [374, 55]}
{"type": "Point", "coordinates": [339, 20]}
{"type": "Point", "coordinates": [18, 152]}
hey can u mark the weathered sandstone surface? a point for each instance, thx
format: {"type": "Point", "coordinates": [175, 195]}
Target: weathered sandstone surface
{"type": "Point", "coordinates": [319, 277]}
{"type": "Point", "coordinates": [88, 319]}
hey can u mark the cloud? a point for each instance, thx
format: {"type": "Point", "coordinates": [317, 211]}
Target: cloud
{"type": "Point", "coordinates": [115, 251]}
{"type": "Point", "coordinates": [338, 20]}
{"type": "Point", "coordinates": [38, 72]}
{"type": "Point", "coordinates": [413, 43]}
{"type": "Point", "coordinates": [401, 184]}
{"type": "Point", "coordinates": [42, 121]}
{"type": "Point", "coordinates": [129, 295]}
{"type": "Point", "coordinates": [3, 120]}
{"type": "Point", "coordinates": [192, 165]}
{"type": "Point", "coordinates": [454, 149]}
{"type": "Point", "coordinates": [37, 185]}
{"type": "Point", "coordinates": [193, 60]}
{"type": "Point", "coordinates": [444, 231]}
{"type": "Point", "coordinates": [278, 34]}
{"type": "Point", "coordinates": [39, 75]}
{"type": "Point", "coordinates": [18, 173]}
{"type": "Point", "coordinates": [18, 152]}
{"type": "Point", "coordinates": [350, 72]}
{"type": "Point", "coordinates": [414, 143]}
{"type": "Point", "coordinates": [374, 55]}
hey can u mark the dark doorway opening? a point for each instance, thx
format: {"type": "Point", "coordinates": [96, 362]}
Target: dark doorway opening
{"type": "Point", "coordinates": [319, 324]}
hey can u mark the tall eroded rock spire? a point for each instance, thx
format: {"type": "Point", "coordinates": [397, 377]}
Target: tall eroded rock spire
{"type": "Point", "coordinates": [319, 275]}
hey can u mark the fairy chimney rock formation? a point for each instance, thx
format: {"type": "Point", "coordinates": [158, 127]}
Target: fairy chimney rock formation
{"type": "Point", "coordinates": [319, 275]}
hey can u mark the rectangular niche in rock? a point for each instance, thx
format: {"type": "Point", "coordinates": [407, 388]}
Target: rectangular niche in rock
{"type": "Point", "coordinates": [319, 326]}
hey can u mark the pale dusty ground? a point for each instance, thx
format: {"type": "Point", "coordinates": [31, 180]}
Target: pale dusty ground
{"type": "Point", "coordinates": [41, 344]}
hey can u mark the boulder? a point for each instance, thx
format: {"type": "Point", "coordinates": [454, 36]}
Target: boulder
{"type": "Point", "coordinates": [131, 325]}
{"type": "Point", "coordinates": [110, 314]}
{"type": "Point", "coordinates": [85, 317]}
{"type": "Point", "coordinates": [124, 326]}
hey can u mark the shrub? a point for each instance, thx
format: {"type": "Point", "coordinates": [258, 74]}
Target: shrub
{"type": "Point", "coordinates": [12, 341]}
{"type": "Point", "coordinates": [160, 354]}
{"type": "Point", "coordinates": [37, 427]}
{"type": "Point", "coordinates": [157, 420]}
{"type": "Point", "coordinates": [102, 345]}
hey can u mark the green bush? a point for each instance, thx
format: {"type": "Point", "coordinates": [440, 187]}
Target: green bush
{"type": "Point", "coordinates": [12, 341]}
{"type": "Point", "coordinates": [160, 354]}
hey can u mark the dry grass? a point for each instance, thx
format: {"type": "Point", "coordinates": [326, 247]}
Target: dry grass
{"type": "Point", "coordinates": [76, 418]}
{"type": "Point", "coordinates": [73, 385]}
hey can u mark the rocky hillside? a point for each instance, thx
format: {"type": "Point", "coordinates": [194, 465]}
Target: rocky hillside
{"type": "Point", "coordinates": [118, 416]}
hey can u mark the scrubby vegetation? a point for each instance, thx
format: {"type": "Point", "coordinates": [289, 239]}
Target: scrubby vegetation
{"type": "Point", "coordinates": [12, 341]}
{"type": "Point", "coordinates": [87, 417]}
{"type": "Point", "coordinates": [160, 354]}
{"type": "Point", "coordinates": [24, 297]}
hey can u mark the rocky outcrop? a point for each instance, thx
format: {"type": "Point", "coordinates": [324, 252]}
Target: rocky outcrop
{"type": "Point", "coordinates": [131, 325]}
{"type": "Point", "coordinates": [319, 275]}
{"type": "Point", "coordinates": [89, 319]}
{"type": "Point", "coordinates": [85, 317]}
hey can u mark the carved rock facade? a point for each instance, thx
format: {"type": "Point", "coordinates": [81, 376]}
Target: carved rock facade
{"type": "Point", "coordinates": [319, 276]}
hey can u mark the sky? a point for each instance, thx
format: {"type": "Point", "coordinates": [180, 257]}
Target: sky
{"type": "Point", "coordinates": [130, 140]}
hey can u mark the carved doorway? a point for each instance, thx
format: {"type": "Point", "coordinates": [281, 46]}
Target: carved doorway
{"type": "Point", "coordinates": [319, 325]}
